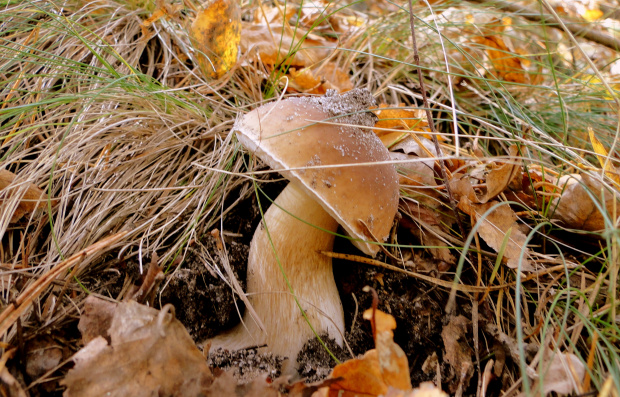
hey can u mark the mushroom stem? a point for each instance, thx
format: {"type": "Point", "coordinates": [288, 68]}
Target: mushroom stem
{"type": "Point", "coordinates": [309, 273]}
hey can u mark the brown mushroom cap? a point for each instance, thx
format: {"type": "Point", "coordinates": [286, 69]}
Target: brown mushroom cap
{"type": "Point", "coordinates": [285, 136]}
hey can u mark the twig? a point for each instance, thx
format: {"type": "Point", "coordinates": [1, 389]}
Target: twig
{"type": "Point", "coordinates": [575, 28]}
{"type": "Point", "coordinates": [437, 281]}
{"type": "Point", "coordinates": [15, 309]}
{"type": "Point", "coordinates": [431, 125]}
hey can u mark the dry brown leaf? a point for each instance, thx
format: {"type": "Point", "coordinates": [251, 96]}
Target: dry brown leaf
{"type": "Point", "coordinates": [398, 118]}
{"type": "Point", "coordinates": [96, 318]}
{"type": "Point", "coordinates": [9, 386]}
{"type": "Point", "coordinates": [562, 373]}
{"type": "Point", "coordinates": [497, 180]}
{"type": "Point", "coordinates": [42, 353]}
{"type": "Point", "coordinates": [32, 198]}
{"type": "Point", "coordinates": [378, 370]}
{"type": "Point", "coordinates": [216, 33]}
{"type": "Point", "coordinates": [318, 80]}
{"type": "Point", "coordinates": [494, 227]}
{"type": "Point", "coordinates": [428, 228]}
{"type": "Point", "coordinates": [273, 43]}
{"type": "Point", "coordinates": [576, 209]}
{"type": "Point", "coordinates": [565, 372]}
{"type": "Point", "coordinates": [507, 66]}
{"type": "Point", "coordinates": [158, 356]}
{"type": "Point", "coordinates": [458, 353]}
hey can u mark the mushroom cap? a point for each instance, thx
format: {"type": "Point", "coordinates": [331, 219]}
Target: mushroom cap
{"type": "Point", "coordinates": [287, 137]}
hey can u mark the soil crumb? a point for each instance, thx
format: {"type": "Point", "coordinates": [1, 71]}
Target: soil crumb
{"type": "Point", "coordinates": [247, 364]}
{"type": "Point", "coordinates": [314, 363]}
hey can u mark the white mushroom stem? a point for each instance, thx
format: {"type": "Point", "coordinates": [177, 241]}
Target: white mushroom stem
{"type": "Point", "coordinates": [309, 273]}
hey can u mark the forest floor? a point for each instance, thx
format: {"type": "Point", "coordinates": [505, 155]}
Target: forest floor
{"type": "Point", "coordinates": [122, 181]}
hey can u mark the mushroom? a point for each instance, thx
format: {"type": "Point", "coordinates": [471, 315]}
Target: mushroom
{"type": "Point", "coordinates": [288, 135]}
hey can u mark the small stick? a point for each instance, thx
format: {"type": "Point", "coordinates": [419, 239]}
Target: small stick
{"type": "Point", "coordinates": [437, 281]}
{"type": "Point", "coordinates": [16, 308]}
{"type": "Point", "coordinates": [431, 125]}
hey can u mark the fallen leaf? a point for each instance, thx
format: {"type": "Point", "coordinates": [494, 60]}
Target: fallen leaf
{"type": "Point", "coordinates": [428, 228]}
{"type": "Point", "coordinates": [458, 353]}
{"type": "Point", "coordinates": [497, 180]}
{"type": "Point", "coordinates": [507, 66]}
{"type": "Point", "coordinates": [562, 373]}
{"type": "Point", "coordinates": [602, 156]}
{"type": "Point", "coordinates": [494, 227]}
{"type": "Point", "coordinates": [96, 318]}
{"type": "Point", "coordinates": [18, 199]}
{"type": "Point", "coordinates": [317, 80]}
{"type": "Point", "coordinates": [576, 207]}
{"type": "Point", "coordinates": [158, 356]}
{"type": "Point", "coordinates": [380, 369]}
{"type": "Point", "coordinates": [216, 34]}
{"type": "Point", "coordinates": [398, 118]}
{"type": "Point", "coordinates": [42, 354]}
{"type": "Point", "coordinates": [592, 15]}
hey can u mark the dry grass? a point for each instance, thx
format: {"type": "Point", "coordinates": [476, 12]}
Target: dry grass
{"type": "Point", "coordinates": [125, 134]}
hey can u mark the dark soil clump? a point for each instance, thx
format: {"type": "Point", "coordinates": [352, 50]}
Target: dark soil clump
{"type": "Point", "coordinates": [246, 364]}
{"type": "Point", "coordinates": [204, 303]}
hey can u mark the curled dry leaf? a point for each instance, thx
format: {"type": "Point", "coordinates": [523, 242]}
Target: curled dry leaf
{"type": "Point", "coordinates": [9, 386]}
{"type": "Point", "coordinates": [497, 180]}
{"type": "Point", "coordinates": [216, 33]}
{"type": "Point", "coordinates": [562, 373]}
{"type": "Point", "coordinates": [158, 356]}
{"type": "Point", "coordinates": [18, 199]}
{"type": "Point", "coordinates": [378, 370]}
{"type": "Point", "coordinates": [576, 207]}
{"type": "Point", "coordinates": [494, 228]}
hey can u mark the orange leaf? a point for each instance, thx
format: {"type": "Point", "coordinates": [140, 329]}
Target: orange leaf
{"type": "Point", "coordinates": [320, 79]}
{"type": "Point", "coordinates": [379, 370]}
{"type": "Point", "coordinates": [507, 66]}
{"type": "Point", "coordinates": [398, 118]}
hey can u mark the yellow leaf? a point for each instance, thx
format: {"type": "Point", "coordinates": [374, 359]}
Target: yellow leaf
{"type": "Point", "coordinates": [602, 155]}
{"type": "Point", "coordinates": [592, 15]}
{"type": "Point", "coordinates": [216, 33]}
